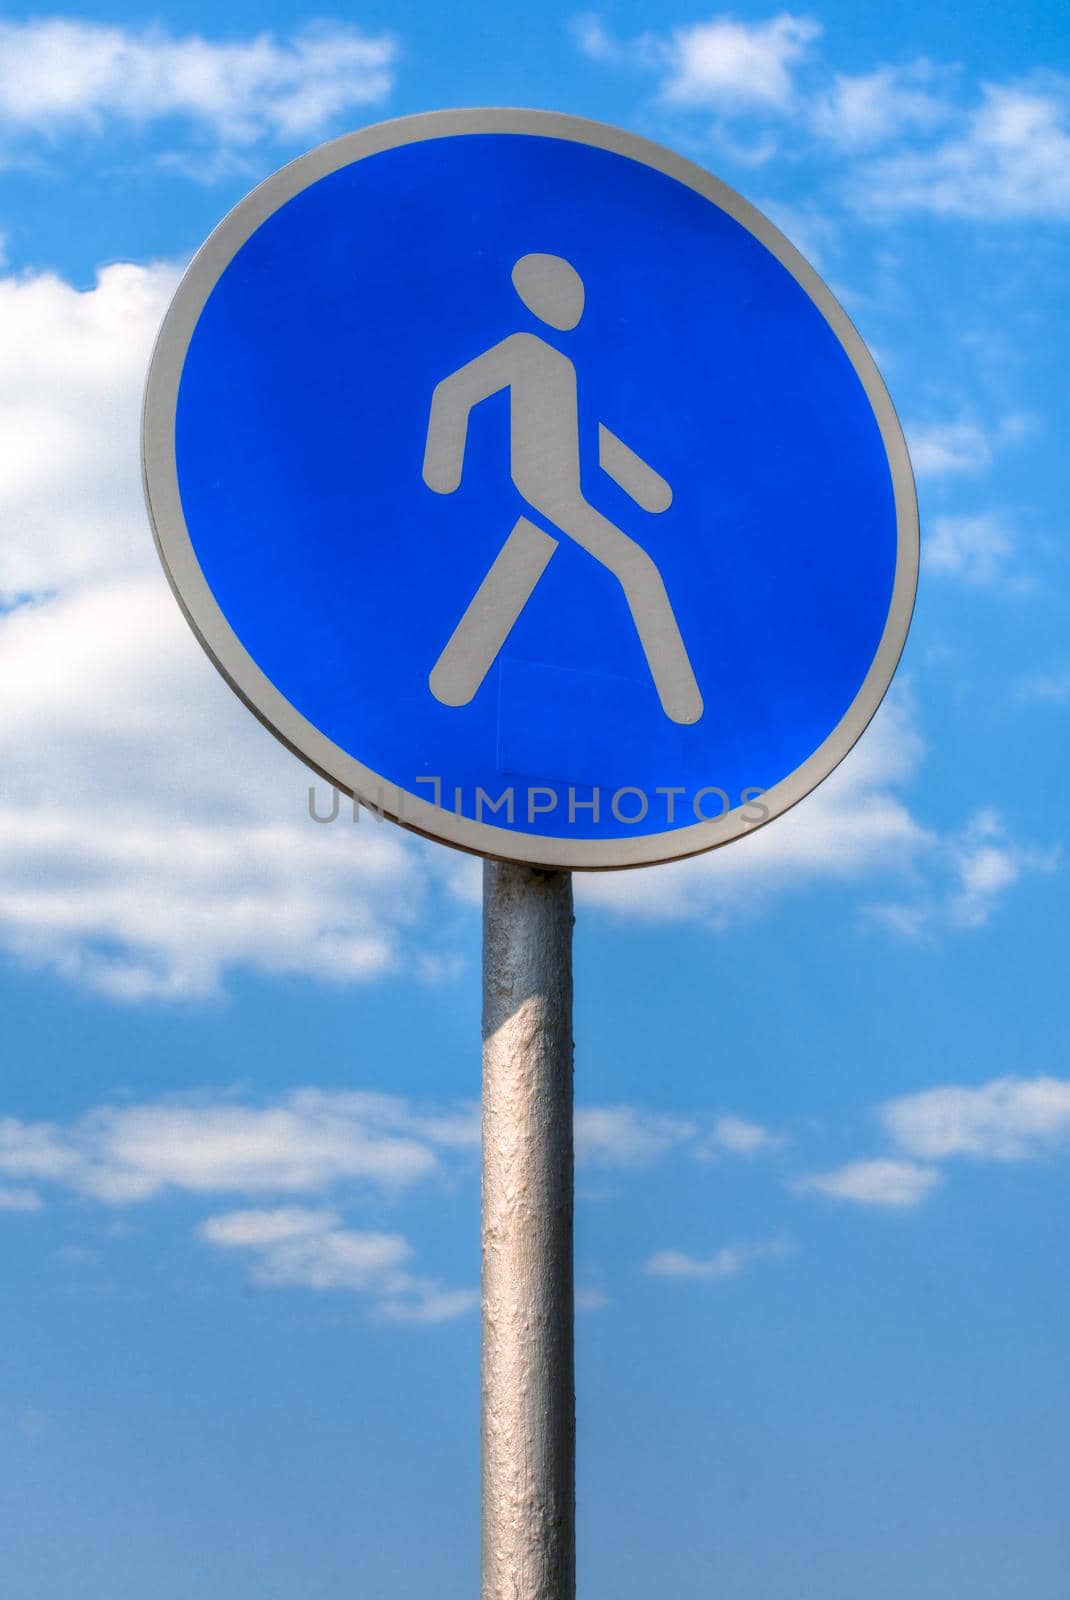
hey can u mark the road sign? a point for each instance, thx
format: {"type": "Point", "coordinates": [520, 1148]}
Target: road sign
{"type": "Point", "coordinates": [525, 481]}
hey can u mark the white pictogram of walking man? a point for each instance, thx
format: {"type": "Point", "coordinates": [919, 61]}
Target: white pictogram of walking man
{"type": "Point", "coordinates": [546, 470]}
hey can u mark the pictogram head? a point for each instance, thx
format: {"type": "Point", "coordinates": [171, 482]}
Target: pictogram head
{"type": "Point", "coordinates": [551, 288]}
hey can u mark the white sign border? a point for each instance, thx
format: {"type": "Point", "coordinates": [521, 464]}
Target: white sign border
{"type": "Point", "coordinates": [195, 597]}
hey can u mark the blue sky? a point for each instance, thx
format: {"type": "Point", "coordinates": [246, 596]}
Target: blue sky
{"type": "Point", "coordinates": [822, 1078]}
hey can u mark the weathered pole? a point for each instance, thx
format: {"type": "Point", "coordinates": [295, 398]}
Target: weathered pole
{"type": "Point", "coordinates": [528, 1434]}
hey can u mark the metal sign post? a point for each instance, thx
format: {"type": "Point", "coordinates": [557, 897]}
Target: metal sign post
{"type": "Point", "coordinates": [528, 1421]}
{"type": "Point", "coordinates": [528, 484]}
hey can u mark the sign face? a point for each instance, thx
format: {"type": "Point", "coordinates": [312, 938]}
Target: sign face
{"type": "Point", "coordinates": [527, 483]}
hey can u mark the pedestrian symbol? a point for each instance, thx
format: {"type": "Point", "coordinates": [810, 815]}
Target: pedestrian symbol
{"type": "Point", "coordinates": [544, 440]}
{"type": "Point", "coordinates": [531, 487]}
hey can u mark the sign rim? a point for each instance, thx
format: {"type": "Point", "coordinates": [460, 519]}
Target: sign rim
{"type": "Point", "coordinates": [270, 706]}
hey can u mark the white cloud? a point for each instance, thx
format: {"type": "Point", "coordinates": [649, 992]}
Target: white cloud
{"type": "Point", "coordinates": [152, 836]}
{"type": "Point", "coordinates": [724, 1263]}
{"type": "Point", "coordinates": [771, 69]}
{"type": "Point", "coordinates": [734, 1135]}
{"type": "Point", "coordinates": [624, 1136]}
{"type": "Point", "coordinates": [306, 1142]}
{"type": "Point", "coordinates": [425, 1300]}
{"type": "Point", "coordinates": [869, 108]}
{"type": "Point", "coordinates": [911, 135]}
{"type": "Point", "coordinates": [310, 1144]}
{"type": "Point", "coordinates": [260, 1230]}
{"type": "Point", "coordinates": [1047, 686]}
{"type": "Point", "coordinates": [1010, 163]}
{"type": "Point", "coordinates": [320, 1256]}
{"type": "Point", "coordinates": [299, 1248]}
{"type": "Point", "coordinates": [72, 367]}
{"type": "Point", "coordinates": [987, 863]}
{"type": "Point", "coordinates": [720, 65]}
{"type": "Point", "coordinates": [728, 64]}
{"type": "Point", "coordinates": [856, 824]}
{"type": "Point", "coordinates": [1007, 1119]}
{"type": "Point", "coordinates": [976, 549]}
{"type": "Point", "coordinates": [594, 39]}
{"type": "Point", "coordinates": [59, 75]}
{"type": "Point", "coordinates": [896, 1185]}
{"type": "Point", "coordinates": [963, 445]}
{"type": "Point", "coordinates": [987, 867]}
{"type": "Point", "coordinates": [940, 448]}
{"type": "Point", "coordinates": [972, 872]}
{"type": "Point", "coordinates": [315, 1142]}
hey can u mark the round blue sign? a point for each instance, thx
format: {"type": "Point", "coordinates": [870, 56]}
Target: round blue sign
{"type": "Point", "coordinates": [528, 484]}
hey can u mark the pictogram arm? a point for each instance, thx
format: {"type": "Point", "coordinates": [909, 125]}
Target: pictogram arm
{"type": "Point", "coordinates": [645, 486]}
{"type": "Point", "coordinates": [451, 404]}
